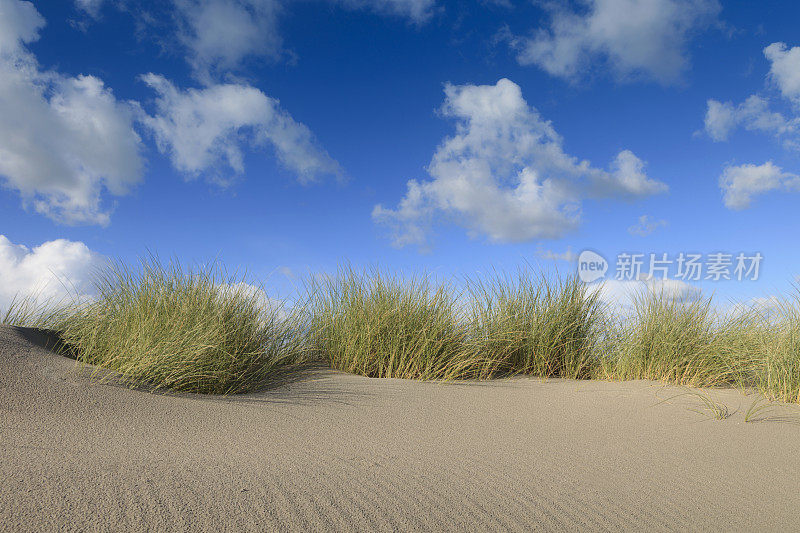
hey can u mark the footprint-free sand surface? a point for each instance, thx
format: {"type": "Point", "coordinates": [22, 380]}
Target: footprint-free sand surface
{"type": "Point", "coordinates": [332, 451]}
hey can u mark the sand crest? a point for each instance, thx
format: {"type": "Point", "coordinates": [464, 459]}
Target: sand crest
{"type": "Point", "coordinates": [332, 451]}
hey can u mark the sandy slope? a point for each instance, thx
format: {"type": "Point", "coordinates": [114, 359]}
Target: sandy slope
{"type": "Point", "coordinates": [334, 451]}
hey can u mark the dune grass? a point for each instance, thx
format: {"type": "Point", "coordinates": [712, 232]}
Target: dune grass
{"type": "Point", "coordinates": [191, 330]}
{"type": "Point", "coordinates": [377, 325]}
{"type": "Point", "coordinates": [201, 331]}
{"type": "Point", "coordinates": [774, 341]}
{"type": "Point", "coordinates": [668, 339]}
{"type": "Point", "coordinates": [31, 311]}
{"type": "Point", "coordinates": [537, 325]}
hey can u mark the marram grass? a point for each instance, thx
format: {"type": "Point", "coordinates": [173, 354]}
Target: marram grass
{"type": "Point", "coordinates": [669, 339]}
{"type": "Point", "coordinates": [537, 325]}
{"type": "Point", "coordinates": [187, 330]}
{"type": "Point", "coordinates": [774, 366]}
{"type": "Point", "coordinates": [197, 330]}
{"type": "Point", "coordinates": [378, 325]}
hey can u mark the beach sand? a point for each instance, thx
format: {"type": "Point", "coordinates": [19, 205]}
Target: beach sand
{"type": "Point", "coordinates": [332, 451]}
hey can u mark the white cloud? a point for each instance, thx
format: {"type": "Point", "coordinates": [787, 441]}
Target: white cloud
{"type": "Point", "coordinates": [773, 309]}
{"type": "Point", "coordinates": [203, 130]}
{"type": "Point", "coordinates": [634, 37]}
{"type": "Point", "coordinates": [720, 120]}
{"type": "Point", "coordinates": [418, 11]}
{"type": "Point", "coordinates": [740, 183]}
{"type": "Point", "coordinates": [273, 307]}
{"type": "Point", "coordinates": [785, 69]}
{"type": "Point", "coordinates": [646, 225]}
{"type": "Point", "coordinates": [620, 296]}
{"type": "Point", "coordinates": [53, 272]}
{"type": "Point", "coordinates": [220, 34]}
{"type": "Point", "coordinates": [19, 23]}
{"type": "Point", "coordinates": [286, 271]}
{"type": "Point", "coordinates": [755, 113]}
{"type": "Point", "coordinates": [63, 140]}
{"type": "Point", "coordinates": [569, 256]}
{"type": "Point", "coordinates": [219, 37]}
{"type": "Point", "coordinates": [91, 7]}
{"type": "Point", "coordinates": [504, 174]}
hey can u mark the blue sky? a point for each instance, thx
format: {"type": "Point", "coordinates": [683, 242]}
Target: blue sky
{"type": "Point", "coordinates": [284, 136]}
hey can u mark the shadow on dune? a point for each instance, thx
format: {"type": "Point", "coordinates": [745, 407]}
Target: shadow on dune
{"type": "Point", "coordinates": [301, 384]}
{"type": "Point", "coordinates": [46, 338]}
{"type": "Point", "coordinates": [304, 385]}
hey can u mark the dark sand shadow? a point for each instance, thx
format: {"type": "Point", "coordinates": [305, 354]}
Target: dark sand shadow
{"type": "Point", "coordinates": [306, 383]}
{"type": "Point", "coordinates": [46, 338]}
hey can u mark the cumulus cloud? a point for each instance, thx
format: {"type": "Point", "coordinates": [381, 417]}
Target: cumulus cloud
{"type": "Point", "coordinates": [274, 308]}
{"type": "Point", "coordinates": [720, 119]}
{"type": "Point", "coordinates": [504, 174]}
{"type": "Point", "coordinates": [64, 140]}
{"type": "Point", "coordinates": [620, 296]}
{"type": "Point", "coordinates": [756, 113]}
{"type": "Point", "coordinates": [646, 225]}
{"type": "Point", "coordinates": [20, 23]}
{"type": "Point", "coordinates": [220, 34]}
{"type": "Point", "coordinates": [53, 272]}
{"type": "Point", "coordinates": [741, 183]}
{"type": "Point", "coordinates": [203, 130]}
{"type": "Point", "coordinates": [635, 38]}
{"type": "Point", "coordinates": [785, 69]}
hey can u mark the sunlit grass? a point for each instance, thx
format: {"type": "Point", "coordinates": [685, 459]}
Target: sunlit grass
{"type": "Point", "coordinates": [34, 312]}
{"type": "Point", "coordinates": [201, 331]}
{"type": "Point", "coordinates": [537, 325]}
{"type": "Point", "coordinates": [191, 330]}
{"type": "Point", "coordinates": [378, 325]}
{"type": "Point", "coordinates": [669, 339]}
{"type": "Point", "coordinates": [774, 366]}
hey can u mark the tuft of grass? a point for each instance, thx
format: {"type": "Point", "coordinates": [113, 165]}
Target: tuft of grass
{"type": "Point", "coordinates": [190, 330]}
{"type": "Point", "coordinates": [33, 312]}
{"type": "Point", "coordinates": [760, 409]}
{"type": "Point", "coordinates": [673, 340]}
{"type": "Point", "coordinates": [775, 370]}
{"type": "Point", "coordinates": [377, 325]}
{"type": "Point", "coordinates": [760, 405]}
{"type": "Point", "coordinates": [717, 410]}
{"type": "Point", "coordinates": [537, 325]}
{"type": "Point", "coordinates": [708, 406]}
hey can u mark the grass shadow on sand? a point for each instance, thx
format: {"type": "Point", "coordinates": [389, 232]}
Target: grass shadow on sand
{"type": "Point", "coordinates": [48, 339]}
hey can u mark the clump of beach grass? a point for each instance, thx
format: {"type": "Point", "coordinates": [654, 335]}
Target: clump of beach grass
{"type": "Point", "coordinates": [676, 340]}
{"type": "Point", "coordinates": [199, 330]}
{"type": "Point", "coordinates": [775, 366]}
{"type": "Point", "coordinates": [184, 329]}
{"type": "Point", "coordinates": [377, 325]}
{"type": "Point", "coordinates": [537, 325]}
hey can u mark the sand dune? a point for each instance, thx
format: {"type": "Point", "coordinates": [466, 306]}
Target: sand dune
{"type": "Point", "coordinates": [331, 451]}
